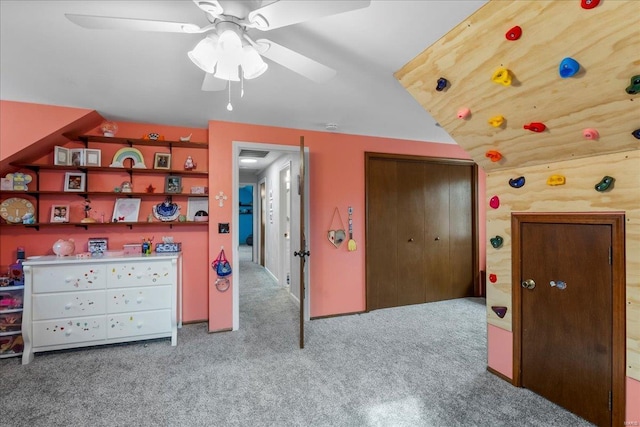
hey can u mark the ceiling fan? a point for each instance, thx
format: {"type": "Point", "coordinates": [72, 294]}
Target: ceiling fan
{"type": "Point", "coordinates": [228, 52]}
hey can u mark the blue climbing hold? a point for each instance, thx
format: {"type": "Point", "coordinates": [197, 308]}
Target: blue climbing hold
{"type": "Point", "coordinates": [517, 182]}
{"type": "Point", "coordinates": [568, 67]}
{"type": "Point", "coordinates": [442, 84]}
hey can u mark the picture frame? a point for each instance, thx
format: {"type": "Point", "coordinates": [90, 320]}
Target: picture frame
{"type": "Point", "coordinates": [61, 156]}
{"type": "Point", "coordinates": [195, 204]}
{"type": "Point", "coordinates": [173, 184]}
{"type": "Point", "coordinates": [97, 245]}
{"type": "Point", "coordinates": [59, 213]}
{"type": "Point", "coordinates": [126, 210]}
{"type": "Point", "coordinates": [76, 156]}
{"type": "Point", "coordinates": [74, 181]}
{"type": "Point", "coordinates": [92, 157]}
{"type": "Point", "coordinates": [162, 161]}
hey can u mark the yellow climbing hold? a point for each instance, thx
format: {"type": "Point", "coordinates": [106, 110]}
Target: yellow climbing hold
{"type": "Point", "coordinates": [502, 76]}
{"type": "Point", "coordinates": [496, 121]}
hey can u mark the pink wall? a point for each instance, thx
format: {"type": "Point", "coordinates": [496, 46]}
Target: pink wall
{"type": "Point", "coordinates": [336, 179]}
{"type": "Point", "coordinates": [24, 127]}
{"type": "Point", "coordinates": [632, 417]}
{"type": "Point", "coordinates": [500, 350]}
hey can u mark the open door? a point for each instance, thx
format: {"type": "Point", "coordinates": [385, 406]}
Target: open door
{"type": "Point", "coordinates": [302, 252]}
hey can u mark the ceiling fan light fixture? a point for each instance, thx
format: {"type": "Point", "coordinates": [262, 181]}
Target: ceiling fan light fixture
{"type": "Point", "coordinates": [252, 64]}
{"type": "Point", "coordinates": [227, 68]}
{"type": "Point", "coordinates": [205, 55]}
{"type": "Point", "coordinates": [229, 41]}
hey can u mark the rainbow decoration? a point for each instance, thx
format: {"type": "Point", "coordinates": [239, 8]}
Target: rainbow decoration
{"type": "Point", "coordinates": [128, 153]}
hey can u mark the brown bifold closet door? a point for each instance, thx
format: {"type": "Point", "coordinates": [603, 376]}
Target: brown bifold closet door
{"type": "Point", "coordinates": [421, 243]}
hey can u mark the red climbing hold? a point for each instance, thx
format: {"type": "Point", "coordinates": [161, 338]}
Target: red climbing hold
{"type": "Point", "coordinates": [493, 155]}
{"type": "Point", "coordinates": [589, 4]}
{"type": "Point", "coordinates": [493, 278]}
{"type": "Point", "coordinates": [514, 33]}
{"type": "Point", "coordinates": [535, 127]}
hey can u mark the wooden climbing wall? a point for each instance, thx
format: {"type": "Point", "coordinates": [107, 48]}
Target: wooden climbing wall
{"type": "Point", "coordinates": [605, 41]}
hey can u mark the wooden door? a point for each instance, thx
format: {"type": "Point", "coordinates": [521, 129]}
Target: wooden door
{"type": "Point", "coordinates": [410, 218]}
{"type": "Point", "coordinates": [421, 244]}
{"type": "Point", "coordinates": [565, 312]}
{"type": "Point", "coordinates": [303, 253]}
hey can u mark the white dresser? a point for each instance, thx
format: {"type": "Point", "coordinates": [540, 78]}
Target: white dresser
{"type": "Point", "coordinates": [71, 302]}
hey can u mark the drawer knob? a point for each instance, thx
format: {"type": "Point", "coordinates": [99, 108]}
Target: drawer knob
{"type": "Point", "coordinates": [139, 300]}
{"type": "Point", "coordinates": [67, 332]}
{"type": "Point", "coordinates": [140, 325]}
{"type": "Point", "coordinates": [68, 305]}
{"type": "Point", "coordinates": [68, 279]}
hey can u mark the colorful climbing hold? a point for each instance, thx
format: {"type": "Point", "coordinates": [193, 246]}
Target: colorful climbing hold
{"type": "Point", "coordinates": [502, 76]}
{"type": "Point", "coordinates": [554, 180]}
{"type": "Point", "coordinates": [590, 133]}
{"type": "Point", "coordinates": [499, 310]}
{"type": "Point", "coordinates": [493, 278]}
{"type": "Point", "coordinates": [464, 113]}
{"type": "Point", "coordinates": [514, 33]}
{"type": "Point", "coordinates": [568, 67]}
{"type": "Point", "coordinates": [604, 184]}
{"type": "Point", "coordinates": [517, 182]}
{"type": "Point", "coordinates": [496, 242]}
{"type": "Point", "coordinates": [493, 155]}
{"type": "Point", "coordinates": [442, 84]}
{"type": "Point", "coordinates": [634, 87]}
{"type": "Point", "coordinates": [535, 127]}
{"type": "Point", "coordinates": [494, 202]}
{"type": "Point", "coordinates": [589, 4]}
{"type": "Point", "coordinates": [636, 133]}
{"type": "Point", "coordinates": [496, 121]}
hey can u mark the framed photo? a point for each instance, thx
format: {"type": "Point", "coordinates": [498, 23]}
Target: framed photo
{"type": "Point", "coordinates": [77, 156]}
{"type": "Point", "coordinates": [74, 181]}
{"type": "Point", "coordinates": [97, 245]}
{"type": "Point", "coordinates": [92, 157]}
{"type": "Point", "coordinates": [162, 161]}
{"type": "Point", "coordinates": [59, 213]}
{"type": "Point", "coordinates": [126, 210]}
{"type": "Point", "coordinates": [61, 156]}
{"type": "Point", "coordinates": [173, 184]}
{"type": "Point", "coordinates": [196, 204]}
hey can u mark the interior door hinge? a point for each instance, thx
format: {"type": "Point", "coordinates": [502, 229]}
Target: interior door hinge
{"type": "Point", "coordinates": [610, 401]}
{"type": "Point", "coordinates": [610, 255]}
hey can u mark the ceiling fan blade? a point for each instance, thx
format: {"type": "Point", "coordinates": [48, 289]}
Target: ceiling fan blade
{"type": "Point", "coordinates": [213, 84]}
{"type": "Point", "coordinates": [296, 62]}
{"type": "Point", "coordinates": [132, 24]}
{"type": "Point", "coordinates": [283, 13]}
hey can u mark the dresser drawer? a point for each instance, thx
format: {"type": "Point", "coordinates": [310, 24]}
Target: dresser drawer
{"type": "Point", "coordinates": [138, 299]}
{"type": "Point", "coordinates": [140, 273]}
{"type": "Point", "coordinates": [141, 323]}
{"type": "Point", "coordinates": [68, 277]}
{"type": "Point", "coordinates": [68, 304]}
{"type": "Point", "coordinates": [68, 331]}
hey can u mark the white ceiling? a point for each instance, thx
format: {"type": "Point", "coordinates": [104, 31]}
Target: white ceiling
{"type": "Point", "coordinates": [147, 77]}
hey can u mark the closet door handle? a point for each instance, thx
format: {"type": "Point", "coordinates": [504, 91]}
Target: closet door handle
{"type": "Point", "coordinates": [437, 238]}
{"type": "Point", "coordinates": [411, 239]}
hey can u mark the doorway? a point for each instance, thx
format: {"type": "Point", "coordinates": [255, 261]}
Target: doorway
{"type": "Point", "coordinates": [569, 311]}
{"type": "Point", "coordinates": [267, 224]}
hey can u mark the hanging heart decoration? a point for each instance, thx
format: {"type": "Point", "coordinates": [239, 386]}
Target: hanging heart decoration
{"type": "Point", "coordinates": [336, 234]}
{"type": "Point", "coordinates": [336, 237]}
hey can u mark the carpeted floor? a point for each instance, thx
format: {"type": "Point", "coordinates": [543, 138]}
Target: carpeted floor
{"type": "Point", "coordinates": [422, 365]}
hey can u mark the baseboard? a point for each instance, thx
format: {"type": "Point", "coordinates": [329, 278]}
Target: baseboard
{"type": "Point", "coordinates": [337, 315]}
{"type": "Point", "coordinates": [500, 375]}
{"type": "Point", "coordinates": [220, 330]}
{"type": "Point", "coordinates": [191, 322]}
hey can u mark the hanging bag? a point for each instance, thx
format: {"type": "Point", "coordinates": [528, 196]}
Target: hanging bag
{"type": "Point", "coordinates": [221, 265]}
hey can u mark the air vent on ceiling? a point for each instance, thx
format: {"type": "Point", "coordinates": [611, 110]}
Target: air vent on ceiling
{"type": "Point", "coordinates": [253, 153]}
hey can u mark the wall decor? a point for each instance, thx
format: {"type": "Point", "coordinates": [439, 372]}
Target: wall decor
{"type": "Point", "coordinates": [167, 210]}
{"type": "Point", "coordinates": [196, 204]}
{"type": "Point", "coordinates": [125, 153]}
{"type": "Point", "coordinates": [16, 181]}
{"type": "Point", "coordinates": [199, 189]}
{"type": "Point", "coordinates": [92, 157]}
{"type": "Point", "coordinates": [6, 184]}
{"type": "Point", "coordinates": [77, 156]}
{"type": "Point", "coordinates": [59, 213]}
{"type": "Point", "coordinates": [61, 156]}
{"type": "Point", "coordinates": [189, 164]}
{"type": "Point", "coordinates": [74, 181]}
{"type": "Point", "coordinates": [162, 161]}
{"type": "Point", "coordinates": [221, 197]}
{"type": "Point", "coordinates": [13, 209]}
{"type": "Point", "coordinates": [126, 210]}
{"type": "Point", "coordinates": [172, 184]}
{"type": "Point", "coordinates": [97, 245]}
{"type": "Point", "coordinates": [223, 228]}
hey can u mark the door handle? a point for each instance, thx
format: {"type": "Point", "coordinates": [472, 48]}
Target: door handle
{"type": "Point", "coordinates": [529, 284]}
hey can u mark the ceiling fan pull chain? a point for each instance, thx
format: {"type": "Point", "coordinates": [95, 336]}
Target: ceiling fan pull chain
{"type": "Point", "coordinates": [241, 86]}
{"type": "Point", "coordinates": [229, 106]}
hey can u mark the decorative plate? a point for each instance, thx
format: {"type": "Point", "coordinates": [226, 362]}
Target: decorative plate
{"type": "Point", "coordinates": [13, 209]}
{"type": "Point", "coordinates": [166, 211]}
